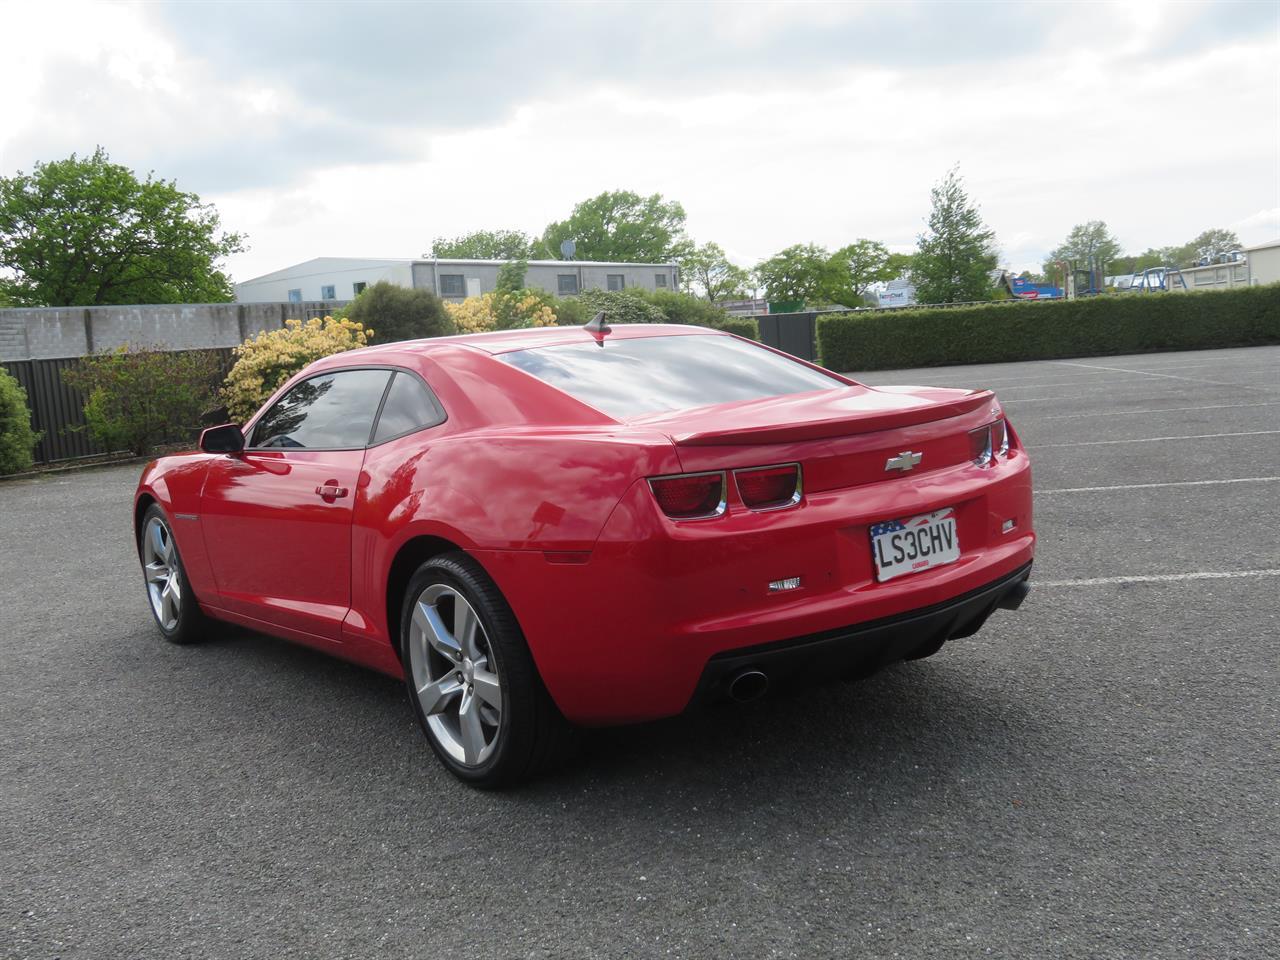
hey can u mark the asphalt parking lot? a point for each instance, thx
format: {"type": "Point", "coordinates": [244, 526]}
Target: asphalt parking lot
{"type": "Point", "coordinates": [1095, 775]}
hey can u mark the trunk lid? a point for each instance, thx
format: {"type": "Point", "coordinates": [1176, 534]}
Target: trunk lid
{"type": "Point", "coordinates": [840, 437]}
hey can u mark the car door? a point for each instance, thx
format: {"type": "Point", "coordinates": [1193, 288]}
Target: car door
{"type": "Point", "coordinates": [277, 516]}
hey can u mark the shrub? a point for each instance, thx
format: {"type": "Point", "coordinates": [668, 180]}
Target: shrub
{"type": "Point", "coordinates": [503, 310]}
{"type": "Point", "coordinates": [572, 312]}
{"type": "Point", "coordinates": [17, 439]}
{"type": "Point", "coordinates": [682, 308]}
{"type": "Point", "coordinates": [1098, 326]}
{"type": "Point", "coordinates": [390, 313]}
{"type": "Point", "coordinates": [141, 396]}
{"type": "Point", "coordinates": [266, 361]}
{"type": "Point", "coordinates": [621, 306]}
{"type": "Point", "coordinates": [742, 326]}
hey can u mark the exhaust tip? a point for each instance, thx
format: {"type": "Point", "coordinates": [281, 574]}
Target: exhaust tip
{"type": "Point", "coordinates": [1012, 600]}
{"type": "Point", "coordinates": [748, 685]}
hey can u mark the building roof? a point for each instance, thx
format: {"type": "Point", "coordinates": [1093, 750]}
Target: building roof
{"type": "Point", "coordinates": [1263, 246]}
{"type": "Point", "coordinates": [317, 265]}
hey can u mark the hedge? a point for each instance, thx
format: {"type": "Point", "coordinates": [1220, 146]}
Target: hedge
{"type": "Point", "coordinates": [1097, 326]}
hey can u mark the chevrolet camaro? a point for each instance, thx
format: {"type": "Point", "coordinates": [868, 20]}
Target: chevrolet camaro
{"type": "Point", "coordinates": [544, 528]}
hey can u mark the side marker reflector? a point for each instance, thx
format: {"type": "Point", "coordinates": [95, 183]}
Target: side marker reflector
{"type": "Point", "coordinates": [777, 586]}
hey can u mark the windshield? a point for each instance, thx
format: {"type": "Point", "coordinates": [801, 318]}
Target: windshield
{"type": "Point", "coordinates": [632, 377]}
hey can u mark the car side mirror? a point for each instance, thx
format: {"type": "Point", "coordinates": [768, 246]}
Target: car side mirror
{"type": "Point", "coordinates": [227, 438]}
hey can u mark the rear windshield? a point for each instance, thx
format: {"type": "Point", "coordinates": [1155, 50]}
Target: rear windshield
{"type": "Point", "coordinates": [628, 378]}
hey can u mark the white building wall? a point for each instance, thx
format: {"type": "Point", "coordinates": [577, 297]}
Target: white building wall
{"type": "Point", "coordinates": [310, 279]}
{"type": "Point", "coordinates": [1264, 263]}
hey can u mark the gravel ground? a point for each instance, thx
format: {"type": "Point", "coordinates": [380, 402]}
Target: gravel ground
{"type": "Point", "coordinates": [1093, 776]}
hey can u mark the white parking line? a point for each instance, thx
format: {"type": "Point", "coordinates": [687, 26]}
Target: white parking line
{"type": "Point", "coordinates": [1068, 383]}
{"type": "Point", "coordinates": [1148, 486]}
{"type": "Point", "coordinates": [1117, 413]}
{"type": "Point", "coordinates": [1194, 436]}
{"type": "Point", "coordinates": [1159, 578]}
{"type": "Point", "coordinates": [1166, 376]}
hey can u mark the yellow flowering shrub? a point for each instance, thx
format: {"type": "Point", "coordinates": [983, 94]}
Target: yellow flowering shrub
{"type": "Point", "coordinates": [502, 311]}
{"type": "Point", "coordinates": [265, 361]}
{"type": "Point", "coordinates": [474, 314]}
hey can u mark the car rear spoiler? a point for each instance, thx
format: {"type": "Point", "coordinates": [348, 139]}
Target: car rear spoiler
{"type": "Point", "coordinates": [841, 424]}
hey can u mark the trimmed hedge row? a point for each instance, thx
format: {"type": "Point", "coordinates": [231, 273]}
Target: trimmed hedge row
{"type": "Point", "coordinates": [1098, 326]}
{"type": "Point", "coordinates": [743, 327]}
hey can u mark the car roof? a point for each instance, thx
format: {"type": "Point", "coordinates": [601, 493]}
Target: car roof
{"type": "Point", "coordinates": [506, 341]}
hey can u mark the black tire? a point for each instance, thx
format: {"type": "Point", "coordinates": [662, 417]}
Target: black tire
{"type": "Point", "coordinates": [531, 734]}
{"type": "Point", "coordinates": [190, 624]}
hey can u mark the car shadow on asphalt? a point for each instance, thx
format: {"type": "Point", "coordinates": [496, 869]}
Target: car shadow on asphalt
{"type": "Point", "coordinates": [913, 723]}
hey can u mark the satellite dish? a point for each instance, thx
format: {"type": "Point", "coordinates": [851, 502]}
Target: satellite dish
{"type": "Point", "coordinates": [567, 248]}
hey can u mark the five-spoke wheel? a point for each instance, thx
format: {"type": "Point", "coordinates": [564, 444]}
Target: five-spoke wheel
{"type": "Point", "coordinates": [164, 578]}
{"type": "Point", "coordinates": [457, 685]}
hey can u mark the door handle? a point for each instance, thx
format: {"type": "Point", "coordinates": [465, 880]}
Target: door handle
{"type": "Point", "coordinates": [329, 491]}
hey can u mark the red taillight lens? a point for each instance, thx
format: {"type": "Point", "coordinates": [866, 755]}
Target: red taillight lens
{"type": "Point", "coordinates": [690, 496]}
{"type": "Point", "coordinates": [987, 442]}
{"type": "Point", "coordinates": [764, 488]}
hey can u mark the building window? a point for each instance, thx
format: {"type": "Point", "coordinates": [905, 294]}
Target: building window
{"type": "Point", "coordinates": [295, 296]}
{"type": "Point", "coordinates": [357, 288]}
{"type": "Point", "coordinates": [326, 293]}
{"type": "Point", "coordinates": [567, 284]}
{"type": "Point", "coordinates": [453, 285]}
{"type": "Point", "coordinates": [659, 279]}
{"type": "Point", "coordinates": [615, 281]}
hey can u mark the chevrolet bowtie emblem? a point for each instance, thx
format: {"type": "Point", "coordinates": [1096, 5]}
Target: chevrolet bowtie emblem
{"type": "Point", "coordinates": [903, 461]}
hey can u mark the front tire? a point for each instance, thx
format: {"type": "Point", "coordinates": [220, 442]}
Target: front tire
{"type": "Point", "coordinates": [173, 605]}
{"type": "Point", "coordinates": [471, 679]}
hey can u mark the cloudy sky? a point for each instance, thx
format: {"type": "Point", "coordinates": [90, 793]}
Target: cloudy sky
{"type": "Point", "coordinates": [367, 129]}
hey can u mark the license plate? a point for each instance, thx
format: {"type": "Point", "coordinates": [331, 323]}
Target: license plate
{"type": "Point", "coordinates": [914, 544]}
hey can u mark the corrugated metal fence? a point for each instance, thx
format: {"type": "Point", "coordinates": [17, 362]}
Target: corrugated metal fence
{"type": "Point", "coordinates": [57, 410]}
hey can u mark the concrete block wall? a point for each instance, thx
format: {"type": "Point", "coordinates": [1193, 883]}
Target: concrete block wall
{"type": "Point", "coordinates": [42, 333]}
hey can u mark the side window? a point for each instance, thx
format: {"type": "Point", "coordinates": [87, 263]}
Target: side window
{"type": "Point", "coordinates": [453, 285]}
{"type": "Point", "coordinates": [295, 296]}
{"type": "Point", "coordinates": [357, 288]}
{"type": "Point", "coordinates": [616, 281]}
{"type": "Point", "coordinates": [659, 280]}
{"type": "Point", "coordinates": [332, 410]}
{"type": "Point", "coordinates": [409, 406]}
{"type": "Point", "coordinates": [327, 293]}
{"type": "Point", "coordinates": [566, 284]}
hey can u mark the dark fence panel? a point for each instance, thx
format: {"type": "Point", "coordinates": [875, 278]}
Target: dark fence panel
{"type": "Point", "coordinates": [57, 411]}
{"type": "Point", "coordinates": [794, 333]}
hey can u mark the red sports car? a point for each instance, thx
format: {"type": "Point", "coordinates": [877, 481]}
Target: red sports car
{"type": "Point", "coordinates": [558, 526]}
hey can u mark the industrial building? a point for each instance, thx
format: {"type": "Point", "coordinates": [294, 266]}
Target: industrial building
{"type": "Point", "coordinates": [342, 278]}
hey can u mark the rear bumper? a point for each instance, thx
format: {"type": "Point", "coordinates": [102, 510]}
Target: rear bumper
{"type": "Point", "coordinates": [627, 633]}
{"type": "Point", "coordinates": [866, 646]}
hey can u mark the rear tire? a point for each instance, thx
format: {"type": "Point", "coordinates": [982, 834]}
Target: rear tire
{"type": "Point", "coordinates": [173, 604]}
{"type": "Point", "coordinates": [471, 679]}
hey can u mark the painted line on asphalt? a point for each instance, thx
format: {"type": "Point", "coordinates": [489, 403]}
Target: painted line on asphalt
{"type": "Point", "coordinates": [1071, 383]}
{"type": "Point", "coordinates": [1166, 376]}
{"type": "Point", "coordinates": [1150, 486]}
{"type": "Point", "coordinates": [1194, 436]}
{"type": "Point", "coordinates": [1160, 578]}
{"type": "Point", "coordinates": [1119, 413]}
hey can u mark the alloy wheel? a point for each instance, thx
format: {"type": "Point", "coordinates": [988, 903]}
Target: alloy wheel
{"type": "Point", "coordinates": [454, 675]}
{"type": "Point", "coordinates": [164, 578]}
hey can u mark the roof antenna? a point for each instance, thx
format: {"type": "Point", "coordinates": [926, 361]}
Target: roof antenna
{"type": "Point", "coordinates": [598, 328]}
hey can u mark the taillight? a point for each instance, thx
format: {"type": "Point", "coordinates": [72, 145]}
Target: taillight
{"type": "Point", "coordinates": [986, 443]}
{"type": "Point", "coordinates": [690, 496]}
{"type": "Point", "coordinates": [767, 488]}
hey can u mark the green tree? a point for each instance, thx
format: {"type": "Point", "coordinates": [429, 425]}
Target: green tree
{"type": "Point", "coordinates": [1210, 245]}
{"type": "Point", "coordinates": [623, 227]}
{"type": "Point", "coordinates": [802, 272]}
{"type": "Point", "coordinates": [396, 313]}
{"type": "Point", "coordinates": [487, 245]}
{"type": "Point", "coordinates": [79, 232]}
{"type": "Point", "coordinates": [856, 268]}
{"type": "Point", "coordinates": [17, 438]}
{"type": "Point", "coordinates": [954, 260]}
{"type": "Point", "coordinates": [708, 271]}
{"type": "Point", "coordinates": [511, 276]}
{"type": "Point", "coordinates": [1088, 241]}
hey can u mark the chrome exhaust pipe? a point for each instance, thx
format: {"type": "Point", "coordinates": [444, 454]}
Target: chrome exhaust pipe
{"type": "Point", "coordinates": [748, 684]}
